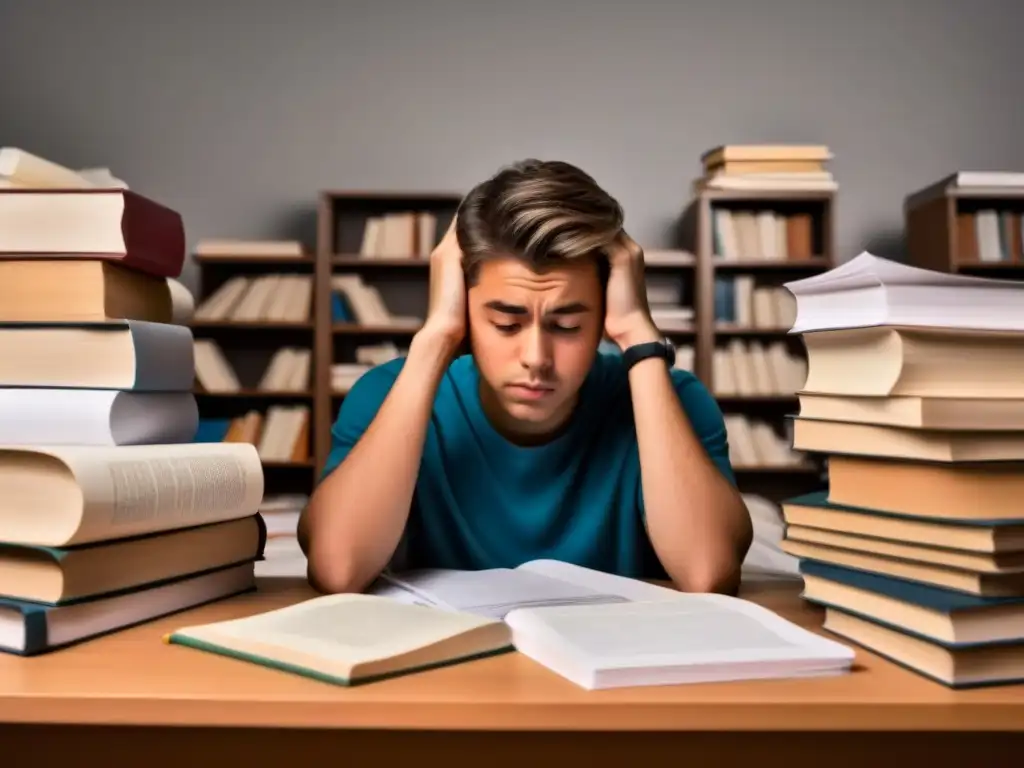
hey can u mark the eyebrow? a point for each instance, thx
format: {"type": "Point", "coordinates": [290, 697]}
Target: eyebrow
{"type": "Point", "coordinates": [574, 308]}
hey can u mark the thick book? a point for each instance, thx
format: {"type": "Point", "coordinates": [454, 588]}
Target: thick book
{"type": "Point", "coordinates": [871, 291]}
{"type": "Point", "coordinates": [944, 616]}
{"type": "Point", "coordinates": [99, 223]}
{"type": "Point", "coordinates": [595, 630]}
{"type": "Point", "coordinates": [66, 416]}
{"type": "Point", "coordinates": [67, 575]}
{"type": "Point", "coordinates": [351, 639]}
{"type": "Point", "coordinates": [600, 630]}
{"type": "Point", "coordinates": [130, 354]}
{"type": "Point", "coordinates": [29, 628]}
{"type": "Point", "coordinates": [83, 291]}
{"type": "Point", "coordinates": [66, 495]}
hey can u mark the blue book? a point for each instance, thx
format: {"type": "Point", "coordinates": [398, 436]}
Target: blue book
{"type": "Point", "coordinates": [956, 639]}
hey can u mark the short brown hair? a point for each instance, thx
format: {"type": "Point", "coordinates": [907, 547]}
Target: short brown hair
{"type": "Point", "coordinates": [542, 212]}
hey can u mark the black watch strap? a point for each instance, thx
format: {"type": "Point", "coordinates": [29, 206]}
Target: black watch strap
{"type": "Point", "coordinates": [636, 353]}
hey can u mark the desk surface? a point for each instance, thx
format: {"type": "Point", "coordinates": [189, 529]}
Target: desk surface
{"type": "Point", "coordinates": [133, 678]}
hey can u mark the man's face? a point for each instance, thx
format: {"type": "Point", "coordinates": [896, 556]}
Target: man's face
{"type": "Point", "coordinates": [534, 337]}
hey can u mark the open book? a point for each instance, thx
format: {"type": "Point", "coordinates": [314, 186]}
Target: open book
{"type": "Point", "coordinates": [350, 639]}
{"type": "Point", "coordinates": [600, 630]}
{"type": "Point", "coordinates": [594, 629]}
{"type": "Point", "coordinates": [869, 290]}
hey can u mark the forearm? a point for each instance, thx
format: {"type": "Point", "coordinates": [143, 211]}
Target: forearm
{"type": "Point", "coordinates": [696, 519]}
{"type": "Point", "coordinates": [356, 516]}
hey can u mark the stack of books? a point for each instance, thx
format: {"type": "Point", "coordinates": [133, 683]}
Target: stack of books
{"type": "Point", "coordinates": [110, 514]}
{"type": "Point", "coordinates": [767, 167]}
{"type": "Point", "coordinates": [915, 394]}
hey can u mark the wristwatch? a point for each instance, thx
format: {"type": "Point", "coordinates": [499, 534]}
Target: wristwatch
{"type": "Point", "coordinates": [664, 349]}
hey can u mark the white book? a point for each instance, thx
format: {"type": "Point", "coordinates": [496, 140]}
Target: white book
{"type": "Point", "coordinates": [600, 630]}
{"type": "Point", "coordinates": [65, 416]}
{"type": "Point", "coordinates": [872, 291]}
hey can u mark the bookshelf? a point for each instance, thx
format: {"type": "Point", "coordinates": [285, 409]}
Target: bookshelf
{"type": "Point", "coordinates": [395, 267]}
{"type": "Point", "coordinates": [966, 229]}
{"type": "Point", "coordinates": [748, 243]}
{"type": "Point", "coordinates": [248, 347]}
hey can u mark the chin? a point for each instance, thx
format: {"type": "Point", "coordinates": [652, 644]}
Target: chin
{"type": "Point", "coordinates": [531, 413]}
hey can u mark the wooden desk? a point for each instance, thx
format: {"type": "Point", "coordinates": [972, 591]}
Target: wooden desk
{"type": "Point", "coordinates": [130, 699]}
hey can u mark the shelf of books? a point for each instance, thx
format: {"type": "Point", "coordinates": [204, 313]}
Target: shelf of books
{"type": "Point", "coordinates": [253, 330]}
{"type": "Point", "coordinates": [968, 222]}
{"type": "Point", "coordinates": [763, 216]}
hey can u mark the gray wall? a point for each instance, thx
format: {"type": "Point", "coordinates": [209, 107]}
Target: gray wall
{"type": "Point", "coordinates": [237, 113]}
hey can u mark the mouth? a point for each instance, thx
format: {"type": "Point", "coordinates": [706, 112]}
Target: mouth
{"type": "Point", "coordinates": [530, 391]}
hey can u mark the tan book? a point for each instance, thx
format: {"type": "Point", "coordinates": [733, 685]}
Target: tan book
{"type": "Point", "coordinates": [817, 153]}
{"type": "Point", "coordinates": [74, 494]}
{"type": "Point", "coordinates": [59, 576]}
{"type": "Point", "coordinates": [975, 562]}
{"type": "Point", "coordinates": [969, 582]}
{"type": "Point", "coordinates": [919, 362]}
{"type": "Point", "coordinates": [815, 511]}
{"type": "Point", "coordinates": [952, 666]}
{"type": "Point", "coordinates": [348, 639]}
{"type": "Point", "coordinates": [61, 290]}
{"type": "Point", "coordinates": [131, 354]}
{"type": "Point", "coordinates": [966, 491]}
{"type": "Point", "coordinates": [830, 437]}
{"type": "Point", "coordinates": [21, 168]}
{"type": "Point", "coordinates": [918, 412]}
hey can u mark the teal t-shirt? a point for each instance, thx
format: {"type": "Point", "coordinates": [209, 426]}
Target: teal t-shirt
{"type": "Point", "coordinates": [483, 502]}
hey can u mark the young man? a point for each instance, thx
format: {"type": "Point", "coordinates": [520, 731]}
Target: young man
{"type": "Point", "coordinates": [534, 445]}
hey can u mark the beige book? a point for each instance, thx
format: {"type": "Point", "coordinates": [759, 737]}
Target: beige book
{"type": "Point", "coordinates": [22, 632]}
{"type": "Point", "coordinates": [245, 248]}
{"type": "Point", "coordinates": [212, 369]}
{"type": "Point", "coordinates": [62, 575]}
{"type": "Point", "coordinates": [726, 244]}
{"type": "Point", "coordinates": [723, 373]}
{"type": "Point", "coordinates": [183, 303]}
{"type": "Point", "coordinates": [74, 494]}
{"type": "Point", "coordinates": [925, 362]}
{"type": "Point", "coordinates": [87, 290]}
{"type": "Point", "coordinates": [426, 233]}
{"type": "Point", "coordinates": [223, 301]}
{"type": "Point", "coordinates": [952, 666]}
{"type": "Point", "coordinates": [348, 639]}
{"type": "Point", "coordinates": [373, 235]}
{"type": "Point", "coordinates": [967, 623]}
{"type": "Point", "coordinates": [129, 354]}
{"type": "Point", "coordinates": [920, 412]}
{"type": "Point", "coordinates": [975, 562]}
{"type": "Point", "coordinates": [829, 437]}
{"type": "Point", "coordinates": [810, 511]}
{"type": "Point", "coordinates": [743, 367]}
{"type": "Point", "coordinates": [957, 579]}
{"type": "Point", "coordinates": [24, 169]}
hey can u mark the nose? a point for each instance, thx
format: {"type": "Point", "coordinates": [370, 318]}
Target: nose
{"type": "Point", "coordinates": [535, 355]}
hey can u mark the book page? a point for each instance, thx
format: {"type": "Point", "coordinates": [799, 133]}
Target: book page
{"type": "Point", "coordinates": [598, 581]}
{"type": "Point", "coordinates": [347, 629]}
{"type": "Point", "coordinates": [137, 489]}
{"type": "Point", "coordinates": [697, 629]}
{"type": "Point", "coordinates": [867, 271]}
{"type": "Point", "coordinates": [493, 592]}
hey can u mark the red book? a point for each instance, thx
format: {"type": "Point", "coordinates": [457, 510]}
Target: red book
{"type": "Point", "coordinates": [115, 224]}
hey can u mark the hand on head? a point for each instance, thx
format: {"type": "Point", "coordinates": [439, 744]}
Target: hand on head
{"type": "Point", "coordinates": [446, 315]}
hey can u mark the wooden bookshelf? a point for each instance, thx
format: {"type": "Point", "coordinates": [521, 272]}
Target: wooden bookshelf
{"type": "Point", "coordinates": [402, 280]}
{"type": "Point", "coordinates": [248, 346]}
{"type": "Point", "coordinates": [715, 269]}
{"type": "Point", "coordinates": [970, 230]}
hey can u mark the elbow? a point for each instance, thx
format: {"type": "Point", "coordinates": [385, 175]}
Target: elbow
{"type": "Point", "coordinates": [721, 577]}
{"type": "Point", "coordinates": [331, 576]}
